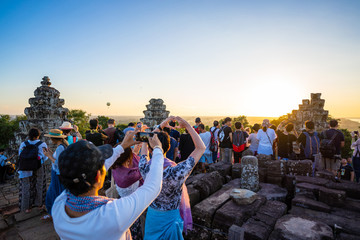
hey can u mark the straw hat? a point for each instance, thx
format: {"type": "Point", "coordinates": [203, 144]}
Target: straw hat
{"type": "Point", "coordinates": [66, 126]}
{"type": "Point", "coordinates": [55, 133]}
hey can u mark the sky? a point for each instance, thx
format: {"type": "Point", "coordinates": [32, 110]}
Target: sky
{"type": "Point", "coordinates": [206, 58]}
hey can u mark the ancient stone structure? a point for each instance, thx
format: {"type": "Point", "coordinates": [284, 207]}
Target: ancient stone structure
{"type": "Point", "coordinates": [45, 112]}
{"type": "Point", "coordinates": [155, 112]}
{"type": "Point", "coordinates": [312, 109]}
{"type": "Point", "coordinates": [321, 208]}
{"type": "Point", "coordinates": [249, 173]}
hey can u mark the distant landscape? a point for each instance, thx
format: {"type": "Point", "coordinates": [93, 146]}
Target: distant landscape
{"type": "Point", "coordinates": [206, 120]}
{"type": "Point", "coordinates": [348, 123]}
{"type": "Point", "coordinates": [351, 124]}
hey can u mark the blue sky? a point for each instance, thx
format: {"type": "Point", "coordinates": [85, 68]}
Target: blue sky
{"type": "Point", "coordinates": [257, 58]}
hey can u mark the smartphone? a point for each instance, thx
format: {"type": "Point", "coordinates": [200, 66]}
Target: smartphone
{"type": "Point", "coordinates": [143, 136]}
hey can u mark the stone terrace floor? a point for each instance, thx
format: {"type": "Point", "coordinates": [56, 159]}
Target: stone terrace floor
{"type": "Point", "coordinates": [16, 225]}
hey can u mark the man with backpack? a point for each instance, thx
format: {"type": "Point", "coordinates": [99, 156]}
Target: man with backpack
{"type": "Point", "coordinates": [214, 142]}
{"type": "Point", "coordinates": [95, 134]}
{"type": "Point", "coordinates": [332, 140]}
{"type": "Point", "coordinates": [112, 133]}
{"type": "Point", "coordinates": [309, 144]}
{"type": "Point", "coordinates": [225, 139]}
{"type": "Point", "coordinates": [32, 184]}
{"type": "Point", "coordinates": [239, 141]}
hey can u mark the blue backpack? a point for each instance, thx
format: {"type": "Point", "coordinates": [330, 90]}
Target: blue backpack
{"type": "Point", "coordinates": [312, 145]}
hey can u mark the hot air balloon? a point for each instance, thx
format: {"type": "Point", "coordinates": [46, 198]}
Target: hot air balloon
{"type": "Point", "coordinates": [108, 104]}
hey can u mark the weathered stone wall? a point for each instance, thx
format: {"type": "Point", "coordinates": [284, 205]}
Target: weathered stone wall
{"type": "Point", "coordinates": [155, 112]}
{"type": "Point", "coordinates": [312, 109]}
{"type": "Point", "coordinates": [318, 206]}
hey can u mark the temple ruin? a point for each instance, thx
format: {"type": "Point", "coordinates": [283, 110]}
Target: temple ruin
{"type": "Point", "coordinates": [290, 204]}
{"type": "Point", "coordinates": [45, 113]}
{"type": "Point", "coordinates": [155, 112]}
{"type": "Point", "coordinates": [310, 109]}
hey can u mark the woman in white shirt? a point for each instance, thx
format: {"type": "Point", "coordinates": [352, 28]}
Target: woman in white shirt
{"type": "Point", "coordinates": [266, 137]}
{"type": "Point", "coordinates": [80, 213]}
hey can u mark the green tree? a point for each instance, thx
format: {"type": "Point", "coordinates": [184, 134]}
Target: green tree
{"type": "Point", "coordinates": [346, 151]}
{"type": "Point", "coordinates": [103, 121]}
{"type": "Point", "coordinates": [8, 127]}
{"type": "Point", "coordinates": [277, 121]}
{"type": "Point", "coordinates": [241, 118]}
{"type": "Point", "coordinates": [80, 118]}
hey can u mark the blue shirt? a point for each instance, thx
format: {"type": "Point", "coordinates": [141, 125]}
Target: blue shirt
{"type": "Point", "coordinates": [24, 174]}
{"type": "Point", "coordinates": [171, 152]}
{"type": "Point", "coordinates": [175, 134]}
{"type": "Point", "coordinates": [2, 160]}
{"type": "Point", "coordinates": [70, 139]}
{"type": "Point", "coordinates": [56, 155]}
{"type": "Point", "coordinates": [128, 129]}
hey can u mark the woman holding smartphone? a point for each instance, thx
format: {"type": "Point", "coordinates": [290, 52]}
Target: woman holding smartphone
{"type": "Point", "coordinates": [170, 214]}
{"type": "Point", "coordinates": [80, 213]}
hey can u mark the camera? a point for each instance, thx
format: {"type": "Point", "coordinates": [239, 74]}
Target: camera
{"type": "Point", "coordinates": [144, 136]}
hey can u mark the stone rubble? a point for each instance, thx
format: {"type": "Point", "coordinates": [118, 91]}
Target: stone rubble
{"type": "Point", "coordinates": [325, 208]}
{"type": "Point", "coordinates": [243, 196]}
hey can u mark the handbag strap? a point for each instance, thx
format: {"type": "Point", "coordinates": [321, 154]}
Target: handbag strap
{"type": "Point", "coordinates": [333, 136]}
{"type": "Point", "coordinates": [268, 137]}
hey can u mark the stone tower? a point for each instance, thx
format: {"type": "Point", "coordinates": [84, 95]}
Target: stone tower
{"type": "Point", "coordinates": [313, 110]}
{"type": "Point", "coordinates": [45, 113]}
{"type": "Point", "coordinates": [155, 112]}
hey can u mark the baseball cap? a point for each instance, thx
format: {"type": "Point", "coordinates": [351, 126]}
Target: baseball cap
{"type": "Point", "coordinates": [83, 159]}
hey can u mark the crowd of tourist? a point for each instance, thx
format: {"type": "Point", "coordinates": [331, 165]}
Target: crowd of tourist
{"type": "Point", "coordinates": [284, 142]}
{"type": "Point", "coordinates": [149, 175]}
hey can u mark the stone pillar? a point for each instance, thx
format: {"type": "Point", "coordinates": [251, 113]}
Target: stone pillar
{"type": "Point", "coordinates": [249, 173]}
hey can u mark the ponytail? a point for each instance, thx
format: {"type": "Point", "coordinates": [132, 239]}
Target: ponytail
{"type": "Point", "coordinates": [264, 128]}
{"type": "Point", "coordinates": [65, 142]}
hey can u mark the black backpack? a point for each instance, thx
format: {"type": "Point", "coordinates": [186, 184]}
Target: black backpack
{"type": "Point", "coordinates": [327, 146]}
{"type": "Point", "coordinates": [29, 159]}
{"type": "Point", "coordinates": [213, 142]}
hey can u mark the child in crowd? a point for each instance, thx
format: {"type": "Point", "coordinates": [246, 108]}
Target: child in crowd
{"type": "Point", "coordinates": [346, 172]}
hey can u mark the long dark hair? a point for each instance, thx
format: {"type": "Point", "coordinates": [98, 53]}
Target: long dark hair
{"type": "Point", "coordinates": [128, 154]}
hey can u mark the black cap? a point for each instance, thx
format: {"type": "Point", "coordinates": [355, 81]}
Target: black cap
{"type": "Point", "coordinates": [197, 120]}
{"type": "Point", "coordinates": [83, 157]}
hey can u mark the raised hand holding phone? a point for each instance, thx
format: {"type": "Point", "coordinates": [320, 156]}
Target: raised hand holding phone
{"type": "Point", "coordinates": [129, 139]}
{"type": "Point", "coordinates": [154, 142]}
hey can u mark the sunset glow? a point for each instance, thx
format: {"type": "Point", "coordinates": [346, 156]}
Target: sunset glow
{"type": "Point", "coordinates": [205, 58]}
